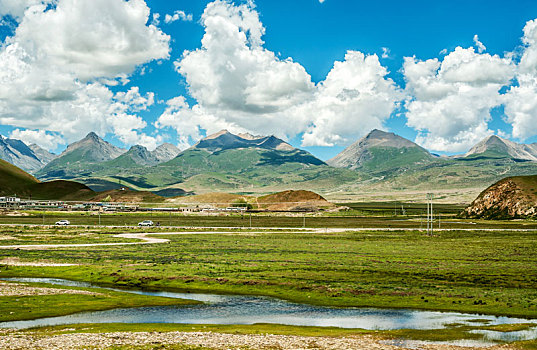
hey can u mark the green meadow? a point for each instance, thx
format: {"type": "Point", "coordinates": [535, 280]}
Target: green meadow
{"type": "Point", "coordinates": [479, 271]}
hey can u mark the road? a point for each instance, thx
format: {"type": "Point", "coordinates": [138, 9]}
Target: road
{"type": "Point", "coordinates": [141, 236]}
{"type": "Point", "coordinates": [145, 239]}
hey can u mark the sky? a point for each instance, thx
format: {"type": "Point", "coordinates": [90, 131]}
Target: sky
{"type": "Point", "coordinates": [319, 74]}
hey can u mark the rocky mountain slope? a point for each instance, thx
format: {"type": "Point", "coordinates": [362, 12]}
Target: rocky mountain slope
{"type": "Point", "coordinates": [512, 197]}
{"type": "Point", "coordinates": [495, 146]}
{"type": "Point", "coordinates": [78, 158]}
{"type": "Point", "coordinates": [44, 156]}
{"type": "Point", "coordinates": [379, 163]}
{"type": "Point", "coordinates": [18, 153]}
{"type": "Point", "coordinates": [136, 156]}
{"type": "Point", "coordinates": [381, 150]}
{"type": "Point", "coordinates": [165, 152]}
{"type": "Point", "coordinates": [224, 140]}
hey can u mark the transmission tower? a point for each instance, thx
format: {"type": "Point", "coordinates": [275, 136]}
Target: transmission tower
{"type": "Point", "coordinates": [430, 214]}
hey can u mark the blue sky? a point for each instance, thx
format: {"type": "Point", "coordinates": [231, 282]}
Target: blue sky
{"type": "Point", "coordinates": [314, 35]}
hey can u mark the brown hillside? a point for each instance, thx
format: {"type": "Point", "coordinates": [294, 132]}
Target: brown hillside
{"type": "Point", "coordinates": [61, 189]}
{"type": "Point", "coordinates": [512, 197]}
{"type": "Point", "coordinates": [128, 196]}
{"type": "Point", "coordinates": [217, 199]}
{"type": "Point", "coordinates": [294, 201]}
{"type": "Point", "coordinates": [14, 180]}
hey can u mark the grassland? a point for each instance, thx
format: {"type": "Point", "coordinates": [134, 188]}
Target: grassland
{"type": "Point", "coordinates": [25, 307]}
{"type": "Point", "coordinates": [477, 272]}
{"type": "Point", "coordinates": [360, 216]}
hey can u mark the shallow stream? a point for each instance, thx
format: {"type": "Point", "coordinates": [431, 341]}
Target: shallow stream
{"type": "Point", "coordinates": [237, 309]}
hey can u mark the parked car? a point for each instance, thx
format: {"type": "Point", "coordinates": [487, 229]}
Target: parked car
{"type": "Point", "coordinates": [146, 223]}
{"type": "Point", "coordinates": [63, 222]}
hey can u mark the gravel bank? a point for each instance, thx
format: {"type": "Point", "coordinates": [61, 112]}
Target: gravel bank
{"type": "Point", "coordinates": [20, 289]}
{"type": "Point", "coordinates": [18, 341]}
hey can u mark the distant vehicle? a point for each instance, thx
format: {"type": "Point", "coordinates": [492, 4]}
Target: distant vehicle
{"type": "Point", "coordinates": [63, 222]}
{"type": "Point", "coordinates": [146, 223]}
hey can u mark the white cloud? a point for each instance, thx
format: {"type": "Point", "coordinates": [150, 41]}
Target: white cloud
{"type": "Point", "coordinates": [39, 137]}
{"type": "Point", "coordinates": [521, 99]}
{"type": "Point", "coordinates": [53, 68]}
{"type": "Point", "coordinates": [451, 99]}
{"type": "Point", "coordinates": [92, 39]}
{"type": "Point", "coordinates": [16, 8]}
{"type": "Point", "coordinates": [479, 45]}
{"type": "Point", "coordinates": [156, 19]}
{"type": "Point", "coordinates": [385, 52]}
{"type": "Point", "coordinates": [188, 122]}
{"type": "Point", "coordinates": [355, 98]}
{"type": "Point", "coordinates": [178, 15]}
{"type": "Point", "coordinates": [239, 84]}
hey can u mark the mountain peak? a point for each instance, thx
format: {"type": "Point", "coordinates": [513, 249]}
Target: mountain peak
{"type": "Point", "coordinates": [504, 147]}
{"type": "Point", "coordinates": [361, 151]}
{"type": "Point", "coordinates": [376, 133]}
{"type": "Point", "coordinates": [225, 140]}
{"type": "Point", "coordinates": [217, 135]}
{"type": "Point", "coordinates": [91, 149]}
{"type": "Point", "coordinates": [93, 136]}
{"type": "Point", "coordinates": [18, 153]}
{"type": "Point", "coordinates": [137, 148]}
{"type": "Point", "coordinates": [166, 152]}
{"type": "Point", "coordinates": [248, 136]}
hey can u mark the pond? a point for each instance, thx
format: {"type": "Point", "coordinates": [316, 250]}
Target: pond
{"type": "Point", "coordinates": [237, 309]}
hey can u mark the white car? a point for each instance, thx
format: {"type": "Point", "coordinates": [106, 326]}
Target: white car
{"type": "Point", "coordinates": [62, 222]}
{"type": "Point", "coordinates": [146, 223]}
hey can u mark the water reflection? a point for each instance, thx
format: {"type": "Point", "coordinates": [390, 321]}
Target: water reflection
{"type": "Point", "coordinates": [232, 309]}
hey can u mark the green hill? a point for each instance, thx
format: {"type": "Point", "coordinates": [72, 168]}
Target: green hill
{"type": "Point", "coordinates": [80, 158]}
{"type": "Point", "coordinates": [14, 180]}
{"type": "Point", "coordinates": [221, 161]}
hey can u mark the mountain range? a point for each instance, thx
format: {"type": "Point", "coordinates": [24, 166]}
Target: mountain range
{"type": "Point", "coordinates": [380, 162]}
{"type": "Point", "coordinates": [29, 158]}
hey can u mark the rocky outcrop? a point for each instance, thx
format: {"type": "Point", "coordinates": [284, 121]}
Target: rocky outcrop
{"type": "Point", "coordinates": [166, 152]}
{"type": "Point", "coordinates": [513, 197]}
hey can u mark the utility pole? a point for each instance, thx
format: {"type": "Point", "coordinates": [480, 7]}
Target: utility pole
{"type": "Point", "coordinates": [250, 220]}
{"type": "Point", "coordinates": [430, 214]}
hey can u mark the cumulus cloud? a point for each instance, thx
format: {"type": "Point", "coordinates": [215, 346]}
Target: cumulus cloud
{"type": "Point", "coordinates": [40, 137]}
{"type": "Point", "coordinates": [355, 98]}
{"type": "Point", "coordinates": [16, 8]}
{"type": "Point", "coordinates": [190, 121]}
{"type": "Point", "coordinates": [479, 45]}
{"type": "Point", "coordinates": [91, 39]}
{"type": "Point", "coordinates": [240, 84]}
{"type": "Point", "coordinates": [53, 70]}
{"type": "Point", "coordinates": [178, 15]}
{"type": "Point", "coordinates": [521, 99]}
{"type": "Point", "coordinates": [451, 99]}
